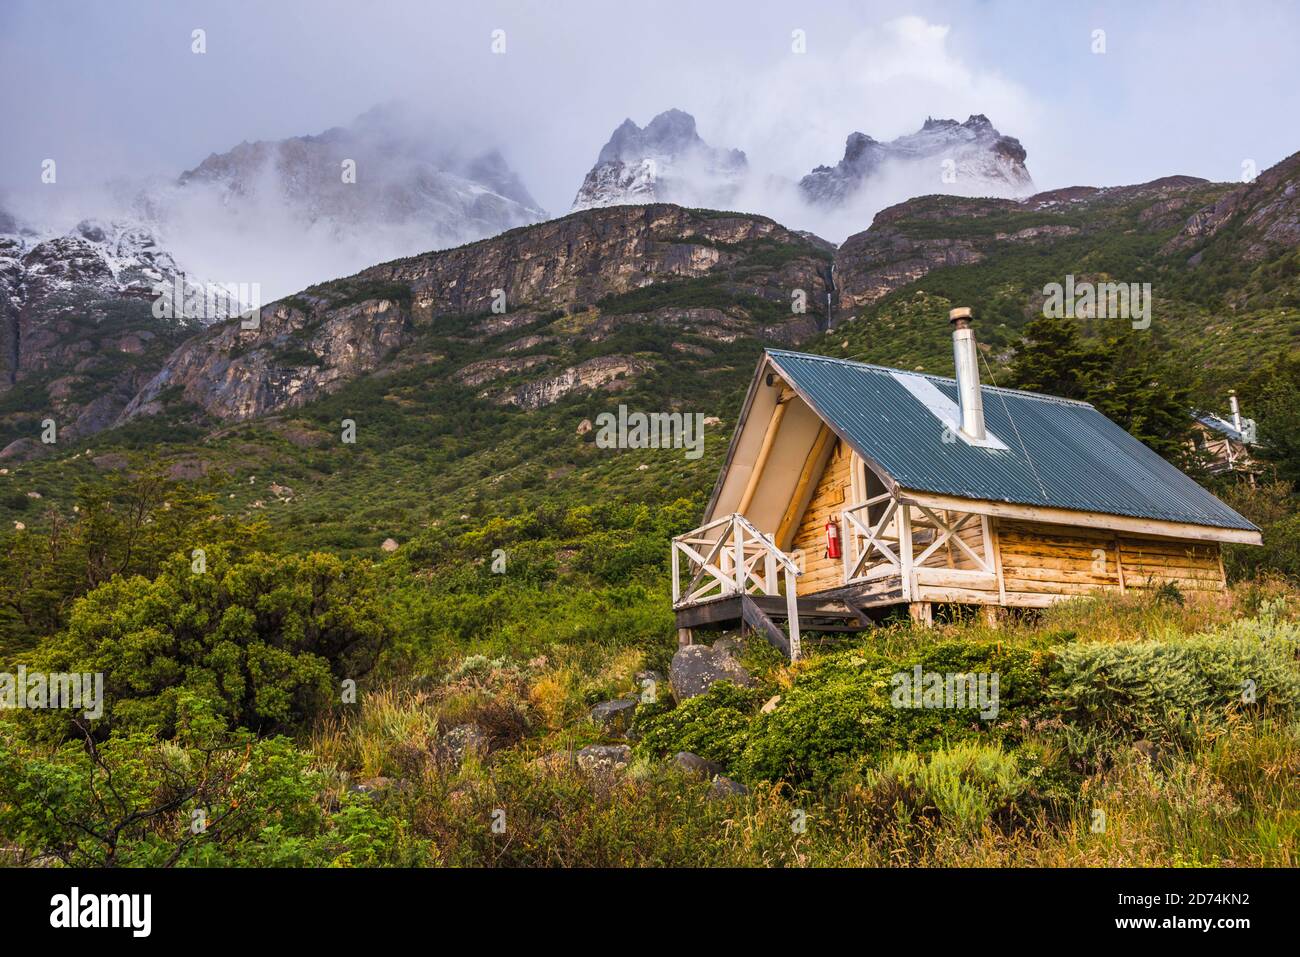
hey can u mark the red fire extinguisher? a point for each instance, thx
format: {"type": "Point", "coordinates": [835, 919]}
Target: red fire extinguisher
{"type": "Point", "coordinates": [832, 539]}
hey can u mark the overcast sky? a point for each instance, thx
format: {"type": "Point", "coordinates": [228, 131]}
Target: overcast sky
{"type": "Point", "coordinates": [112, 89]}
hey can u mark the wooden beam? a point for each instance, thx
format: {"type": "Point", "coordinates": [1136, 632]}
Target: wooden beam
{"type": "Point", "coordinates": [1095, 520]}
{"type": "Point", "coordinates": [922, 612]}
{"type": "Point", "coordinates": [1119, 565]}
{"type": "Point", "coordinates": [995, 553]}
{"type": "Point", "coordinates": [813, 467]}
{"type": "Point", "coordinates": [904, 519]}
{"type": "Point", "coordinates": [757, 619]}
{"type": "Point", "coordinates": [759, 463]}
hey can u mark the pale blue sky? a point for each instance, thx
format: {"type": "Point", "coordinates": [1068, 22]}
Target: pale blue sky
{"type": "Point", "coordinates": [112, 89]}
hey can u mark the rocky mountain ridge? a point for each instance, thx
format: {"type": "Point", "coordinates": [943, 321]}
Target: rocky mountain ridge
{"type": "Point", "coordinates": [549, 279]}
{"type": "Point", "coordinates": [666, 162]}
{"type": "Point", "coordinates": [971, 157]}
{"type": "Point", "coordinates": [564, 306]}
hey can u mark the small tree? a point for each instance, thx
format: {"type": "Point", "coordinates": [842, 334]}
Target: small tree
{"type": "Point", "coordinates": [266, 639]}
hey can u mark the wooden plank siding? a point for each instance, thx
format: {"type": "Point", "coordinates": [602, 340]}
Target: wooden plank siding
{"type": "Point", "coordinates": [1043, 562]}
{"type": "Point", "coordinates": [830, 498]}
{"type": "Point", "coordinates": [1035, 563]}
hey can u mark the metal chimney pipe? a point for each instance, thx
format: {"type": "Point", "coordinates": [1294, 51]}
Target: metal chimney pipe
{"type": "Point", "coordinates": [968, 373]}
{"type": "Point", "coordinates": [1236, 409]}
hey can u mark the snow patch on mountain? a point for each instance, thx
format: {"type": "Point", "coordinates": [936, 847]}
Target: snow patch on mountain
{"type": "Point", "coordinates": [970, 158]}
{"type": "Point", "coordinates": [666, 162]}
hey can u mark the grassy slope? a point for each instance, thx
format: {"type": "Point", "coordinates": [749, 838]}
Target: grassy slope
{"type": "Point", "coordinates": [584, 603]}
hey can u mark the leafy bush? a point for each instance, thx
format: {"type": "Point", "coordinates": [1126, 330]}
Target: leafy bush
{"type": "Point", "coordinates": [208, 799]}
{"type": "Point", "coordinates": [840, 710]}
{"type": "Point", "coordinates": [1159, 689]}
{"type": "Point", "coordinates": [266, 639]}
{"type": "Point", "coordinates": [714, 725]}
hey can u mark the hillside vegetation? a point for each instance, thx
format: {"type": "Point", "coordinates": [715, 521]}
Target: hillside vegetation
{"type": "Point", "coordinates": [314, 698]}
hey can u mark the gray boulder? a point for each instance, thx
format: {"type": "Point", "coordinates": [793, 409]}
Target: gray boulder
{"type": "Point", "coordinates": [459, 741]}
{"type": "Point", "coordinates": [723, 787]}
{"type": "Point", "coordinates": [614, 717]}
{"type": "Point", "coordinates": [604, 758]}
{"type": "Point", "coordinates": [694, 764]}
{"type": "Point", "coordinates": [696, 667]}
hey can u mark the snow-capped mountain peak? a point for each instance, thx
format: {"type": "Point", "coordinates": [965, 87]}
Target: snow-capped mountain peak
{"type": "Point", "coordinates": [970, 158]}
{"type": "Point", "coordinates": [667, 161]}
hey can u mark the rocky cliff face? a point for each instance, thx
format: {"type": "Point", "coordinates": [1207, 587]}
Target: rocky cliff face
{"type": "Point", "coordinates": [667, 162]}
{"type": "Point", "coordinates": [970, 158]}
{"type": "Point", "coordinates": [575, 279]}
{"type": "Point", "coordinates": [1265, 215]}
{"type": "Point", "coordinates": [907, 241]}
{"type": "Point", "coordinates": [79, 332]}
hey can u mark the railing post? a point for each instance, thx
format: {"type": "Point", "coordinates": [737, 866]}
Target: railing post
{"type": "Point", "coordinates": [905, 549]}
{"type": "Point", "coordinates": [770, 584]}
{"type": "Point", "coordinates": [849, 535]}
{"type": "Point", "coordinates": [739, 532]}
{"type": "Point", "coordinates": [792, 613]}
{"type": "Point", "coordinates": [677, 575]}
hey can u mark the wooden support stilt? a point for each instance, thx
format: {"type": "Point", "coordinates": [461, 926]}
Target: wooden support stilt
{"type": "Point", "coordinates": [992, 615]}
{"type": "Point", "coordinates": [684, 637]}
{"type": "Point", "coordinates": [922, 613]}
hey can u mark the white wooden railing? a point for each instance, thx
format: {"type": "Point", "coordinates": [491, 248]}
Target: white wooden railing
{"type": "Point", "coordinates": [871, 550]}
{"type": "Point", "coordinates": [729, 556]}
{"type": "Point", "coordinates": [904, 538]}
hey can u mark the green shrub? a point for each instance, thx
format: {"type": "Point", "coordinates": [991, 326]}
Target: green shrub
{"type": "Point", "coordinates": [963, 786]}
{"type": "Point", "coordinates": [264, 639]}
{"type": "Point", "coordinates": [208, 798]}
{"type": "Point", "coordinates": [840, 710]}
{"type": "Point", "coordinates": [1159, 689]}
{"type": "Point", "coordinates": [714, 725]}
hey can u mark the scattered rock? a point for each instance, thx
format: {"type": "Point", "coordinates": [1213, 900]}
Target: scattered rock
{"type": "Point", "coordinates": [694, 764]}
{"type": "Point", "coordinates": [585, 426]}
{"type": "Point", "coordinates": [305, 438]}
{"type": "Point", "coordinates": [390, 545]}
{"type": "Point", "coordinates": [649, 685]}
{"type": "Point", "coordinates": [33, 494]}
{"type": "Point", "coordinates": [712, 420]}
{"type": "Point", "coordinates": [372, 786]}
{"type": "Point", "coordinates": [729, 645]}
{"type": "Point", "coordinates": [604, 758]}
{"type": "Point", "coordinates": [724, 787]}
{"type": "Point", "coordinates": [188, 470]}
{"type": "Point", "coordinates": [281, 491]}
{"type": "Point", "coordinates": [1147, 749]}
{"type": "Point", "coordinates": [19, 526]}
{"type": "Point", "coordinates": [22, 449]}
{"type": "Point", "coordinates": [110, 461]}
{"type": "Point", "coordinates": [457, 742]}
{"type": "Point", "coordinates": [696, 667]}
{"type": "Point", "coordinates": [614, 717]}
{"type": "Point", "coordinates": [770, 704]}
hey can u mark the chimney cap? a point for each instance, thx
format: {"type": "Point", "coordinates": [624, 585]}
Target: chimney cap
{"type": "Point", "coordinates": [960, 317]}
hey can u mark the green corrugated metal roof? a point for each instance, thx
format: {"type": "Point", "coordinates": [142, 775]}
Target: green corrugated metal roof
{"type": "Point", "coordinates": [1057, 453]}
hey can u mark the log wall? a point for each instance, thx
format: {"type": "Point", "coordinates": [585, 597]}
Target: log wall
{"type": "Point", "coordinates": [832, 492]}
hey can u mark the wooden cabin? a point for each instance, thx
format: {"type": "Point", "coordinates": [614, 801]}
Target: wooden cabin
{"type": "Point", "coordinates": [850, 489]}
{"type": "Point", "coordinates": [1226, 443]}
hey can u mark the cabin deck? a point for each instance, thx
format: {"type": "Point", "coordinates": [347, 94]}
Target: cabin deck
{"type": "Point", "coordinates": [899, 554]}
